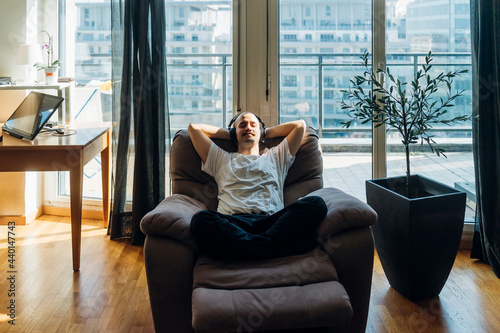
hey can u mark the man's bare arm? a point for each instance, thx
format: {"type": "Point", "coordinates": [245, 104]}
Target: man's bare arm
{"type": "Point", "coordinates": [293, 131]}
{"type": "Point", "coordinates": [202, 135]}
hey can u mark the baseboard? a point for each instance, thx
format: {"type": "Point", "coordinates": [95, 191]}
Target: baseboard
{"type": "Point", "coordinates": [466, 241]}
{"type": "Point", "coordinates": [467, 235]}
{"type": "Point", "coordinates": [21, 219]}
{"type": "Point", "coordinates": [18, 220]}
{"type": "Point", "coordinates": [66, 211]}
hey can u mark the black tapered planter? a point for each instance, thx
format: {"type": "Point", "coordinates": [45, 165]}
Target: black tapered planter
{"type": "Point", "coordinates": [416, 239]}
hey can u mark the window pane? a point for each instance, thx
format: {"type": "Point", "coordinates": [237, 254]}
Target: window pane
{"type": "Point", "coordinates": [315, 66]}
{"type": "Point", "coordinates": [199, 47]}
{"type": "Point", "coordinates": [323, 46]}
{"type": "Point", "coordinates": [88, 60]}
{"type": "Point", "coordinates": [413, 29]}
{"type": "Point", "coordinates": [199, 50]}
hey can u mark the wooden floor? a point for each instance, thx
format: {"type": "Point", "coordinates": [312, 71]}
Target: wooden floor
{"type": "Point", "coordinates": [109, 294]}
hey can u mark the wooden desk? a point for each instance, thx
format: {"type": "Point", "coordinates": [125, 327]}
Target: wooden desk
{"type": "Point", "coordinates": [48, 152]}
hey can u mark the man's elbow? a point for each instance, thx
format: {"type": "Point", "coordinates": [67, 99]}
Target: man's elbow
{"type": "Point", "coordinates": [301, 126]}
{"type": "Point", "coordinates": [301, 123]}
{"type": "Point", "coordinates": [193, 127]}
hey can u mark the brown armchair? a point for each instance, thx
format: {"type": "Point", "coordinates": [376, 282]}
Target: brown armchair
{"type": "Point", "coordinates": [328, 288]}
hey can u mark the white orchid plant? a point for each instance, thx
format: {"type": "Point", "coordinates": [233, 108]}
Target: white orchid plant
{"type": "Point", "coordinates": [49, 46]}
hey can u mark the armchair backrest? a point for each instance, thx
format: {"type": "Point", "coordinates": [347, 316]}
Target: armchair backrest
{"type": "Point", "coordinates": [305, 175]}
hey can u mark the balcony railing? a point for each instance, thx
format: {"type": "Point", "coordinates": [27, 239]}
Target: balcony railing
{"type": "Point", "coordinates": [192, 86]}
{"type": "Point", "coordinates": [344, 65]}
{"type": "Point", "coordinates": [209, 64]}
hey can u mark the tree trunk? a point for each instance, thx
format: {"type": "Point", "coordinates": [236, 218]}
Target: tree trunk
{"type": "Point", "coordinates": [408, 180]}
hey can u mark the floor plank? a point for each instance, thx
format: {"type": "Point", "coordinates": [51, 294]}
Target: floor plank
{"type": "Point", "coordinates": [109, 294]}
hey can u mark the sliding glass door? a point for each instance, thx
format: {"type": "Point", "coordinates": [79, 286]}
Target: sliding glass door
{"type": "Point", "coordinates": [319, 47]}
{"type": "Point", "coordinates": [320, 44]}
{"type": "Point", "coordinates": [413, 28]}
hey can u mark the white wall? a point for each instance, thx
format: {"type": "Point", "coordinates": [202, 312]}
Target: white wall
{"type": "Point", "coordinates": [18, 25]}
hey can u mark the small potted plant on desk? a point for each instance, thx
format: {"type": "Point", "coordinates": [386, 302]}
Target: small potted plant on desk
{"type": "Point", "coordinates": [52, 66]}
{"type": "Point", "coordinates": [420, 221]}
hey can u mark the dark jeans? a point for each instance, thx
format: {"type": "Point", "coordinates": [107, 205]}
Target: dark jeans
{"type": "Point", "coordinates": [290, 231]}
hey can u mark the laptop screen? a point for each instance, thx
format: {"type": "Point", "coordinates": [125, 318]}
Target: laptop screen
{"type": "Point", "coordinates": [31, 115]}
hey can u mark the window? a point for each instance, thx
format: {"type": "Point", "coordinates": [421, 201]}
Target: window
{"type": "Point", "coordinates": [319, 45]}
{"type": "Point", "coordinates": [86, 56]}
{"type": "Point", "coordinates": [289, 94]}
{"type": "Point", "coordinates": [90, 65]}
{"type": "Point", "coordinates": [308, 81]}
{"type": "Point", "coordinates": [289, 81]}
{"type": "Point", "coordinates": [412, 29]}
{"type": "Point", "coordinates": [329, 94]}
{"type": "Point", "coordinates": [329, 82]}
{"type": "Point", "coordinates": [444, 29]}
{"type": "Point", "coordinates": [326, 37]}
{"type": "Point", "coordinates": [207, 97]}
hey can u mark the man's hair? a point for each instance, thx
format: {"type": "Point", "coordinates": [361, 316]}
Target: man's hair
{"type": "Point", "coordinates": [232, 129]}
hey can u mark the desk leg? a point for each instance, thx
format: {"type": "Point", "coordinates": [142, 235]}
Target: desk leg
{"type": "Point", "coordinates": [76, 184]}
{"type": "Point", "coordinates": [106, 176]}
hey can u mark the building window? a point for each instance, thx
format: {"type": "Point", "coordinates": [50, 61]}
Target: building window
{"type": "Point", "coordinates": [308, 81]}
{"type": "Point", "coordinates": [289, 80]}
{"type": "Point", "coordinates": [326, 37]}
{"type": "Point", "coordinates": [329, 82]}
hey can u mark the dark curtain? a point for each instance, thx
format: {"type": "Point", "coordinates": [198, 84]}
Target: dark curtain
{"type": "Point", "coordinates": [485, 36]}
{"type": "Point", "coordinates": [140, 113]}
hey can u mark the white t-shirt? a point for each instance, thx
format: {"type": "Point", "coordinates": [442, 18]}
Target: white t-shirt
{"type": "Point", "coordinates": [249, 183]}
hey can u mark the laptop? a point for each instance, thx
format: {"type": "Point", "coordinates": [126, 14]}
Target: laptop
{"type": "Point", "coordinates": [31, 115]}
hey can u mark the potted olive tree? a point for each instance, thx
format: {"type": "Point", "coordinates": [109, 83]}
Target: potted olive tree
{"type": "Point", "coordinates": [420, 222]}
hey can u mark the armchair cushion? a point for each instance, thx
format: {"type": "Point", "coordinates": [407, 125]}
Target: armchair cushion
{"type": "Point", "coordinates": [324, 304]}
{"type": "Point", "coordinates": [290, 292]}
{"type": "Point", "coordinates": [172, 217]}
{"type": "Point", "coordinates": [302, 269]}
{"type": "Point", "coordinates": [344, 212]}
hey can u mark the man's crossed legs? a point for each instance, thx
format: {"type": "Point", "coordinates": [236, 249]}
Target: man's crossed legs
{"type": "Point", "coordinates": [290, 231]}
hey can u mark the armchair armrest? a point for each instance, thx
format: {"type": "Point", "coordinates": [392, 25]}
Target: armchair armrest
{"type": "Point", "coordinates": [344, 212]}
{"type": "Point", "coordinates": [172, 218]}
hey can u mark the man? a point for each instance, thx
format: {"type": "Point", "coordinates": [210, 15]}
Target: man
{"type": "Point", "coordinates": [251, 221]}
